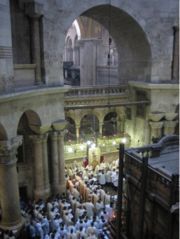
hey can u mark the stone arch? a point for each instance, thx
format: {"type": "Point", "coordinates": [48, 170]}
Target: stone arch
{"type": "Point", "coordinates": [89, 127]}
{"type": "Point", "coordinates": [78, 29]}
{"type": "Point", "coordinates": [29, 124]}
{"type": "Point", "coordinates": [131, 41]}
{"type": "Point", "coordinates": [110, 124]}
{"type": "Point", "coordinates": [75, 115]}
{"type": "Point", "coordinates": [132, 38]}
{"type": "Point", "coordinates": [3, 135]}
{"type": "Point", "coordinates": [71, 129]}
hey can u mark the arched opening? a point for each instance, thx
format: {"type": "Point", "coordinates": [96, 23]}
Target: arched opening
{"type": "Point", "coordinates": [94, 58]}
{"type": "Point", "coordinates": [71, 130]}
{"type": "Point", "coordinates": [89, 128]}
{"type": "Point", "coordinates": [112, 43]}
{"type": "Point", "coordinates": [134, 53]}
{"type": "Point", "coordinates": [29, 124]}
{"type": "Point", "coordinates": [110, 124]}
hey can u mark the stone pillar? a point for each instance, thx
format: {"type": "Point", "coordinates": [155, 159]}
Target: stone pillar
{"type": "Point", "coordinates": [46, 166]}
{"type": "Point", "coordinates": [59, 127]}
{"type": "Point", "coordinates": [38, 167]}
{"type": "Point", "coordinates": [34, 11]}
{"type": "Point", "coordinates": [9, 192]}
{"type": "Point", "coordinates": [175, 62]}
{"type": "Point", "coordinates": [118, 125]}
{"type": "Point", "coordinates": [100, 128]}
{"type": "Point", "coordinates": [36, 50]}
{"type": "Point", "coordinates": [88, 61]}
{"type": "Point", "coordinates": [76, 56]}
{"type": "Point", "coordinates": [62, 183]}
{"type": "Point", "coordinates": [55, 163]}
{"type": "Point", "coordinates": [41, 167]}
{"type": "Point", "coordinates": [77, 133]}
{"type": "Point", "coordinates": [122, 123]}
{"type": "Point", "coordinates": [6, 55]}
{"type": "Point", "coordinates": [156, 129]}
{"type": "Point", "coordinates": [169, 127]}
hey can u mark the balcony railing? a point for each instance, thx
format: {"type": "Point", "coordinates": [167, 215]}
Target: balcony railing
{"type": "Point", "coordinates": [96, 91]}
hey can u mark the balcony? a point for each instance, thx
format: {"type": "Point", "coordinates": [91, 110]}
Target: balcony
{"type": "Point", "coordinates": [97, 96]}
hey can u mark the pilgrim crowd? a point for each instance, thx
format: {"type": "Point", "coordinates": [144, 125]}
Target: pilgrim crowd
{"type": "Point", "coordinates": [81, 213]}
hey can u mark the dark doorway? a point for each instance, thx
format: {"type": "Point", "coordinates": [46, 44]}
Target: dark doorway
{"type": "Point", "coordinates": [23, 193]}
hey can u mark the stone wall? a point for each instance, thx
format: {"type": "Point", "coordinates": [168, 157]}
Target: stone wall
{"type": "Point", "coordinates": [46, 103]}
{"type": "Point", "coordinates": [143, 34]}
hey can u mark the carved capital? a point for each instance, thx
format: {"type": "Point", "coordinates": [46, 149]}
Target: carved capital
{"type": "Point", "coordinates": [8, 150]}
{"type": "Point", "coordinates": [44, 137]}
{"type": "Point", "coordinates": [44, 129]}
{"type": "Point", "coordinates": [39, 138]}
{"type": "Point", "coordinates": [59, 125]}
{"type": "Point", "coordinates": [54, 135]}
{"type": "Point", "coordinates": [156, 125]}
{"type": "Point", "coordinates": [170, 124]}
{"type": "Point", "coordinates": [170, 116]}
{"type": "Point", "coordinates": [77, 126]}
{"type": "Point", "coordinates": [156, 116]}
{"type": "Point", "coordinates": [34, 9]}
{"type": "Point", "coordinates": [61, 133]}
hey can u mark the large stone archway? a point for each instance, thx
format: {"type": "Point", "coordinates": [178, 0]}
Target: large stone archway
{"type": "Point", "coordinates": [133, 47]}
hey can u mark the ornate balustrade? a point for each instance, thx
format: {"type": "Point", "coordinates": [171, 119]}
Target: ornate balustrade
{"type": "Point", "coordinates": [96, 91]}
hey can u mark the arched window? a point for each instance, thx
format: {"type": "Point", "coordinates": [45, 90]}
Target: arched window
{"type": "Point", "coordinates": [70, 130]}
{"type": "Point", "coordinates": [69, 50]}
{"type": "Point", "coordinates": [89, 128]}
{"type": "Point", "coordinates": [110, 124]}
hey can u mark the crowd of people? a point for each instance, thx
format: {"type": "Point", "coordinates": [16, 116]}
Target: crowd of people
{"type": "Point", "coordinates": [81, 213]}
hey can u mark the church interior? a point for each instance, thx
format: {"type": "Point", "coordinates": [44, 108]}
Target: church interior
{"type": "Point", "coordinates": [89, 119]}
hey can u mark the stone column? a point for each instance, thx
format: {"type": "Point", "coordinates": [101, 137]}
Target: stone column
{"type": "Point", "coordinates": [59, 127]}
{"type": "Point", "coordinates": [169, 127]}
{"type": "Point", "coordinates": [175, 65]}
{"type": "Point", "coordinates": [100, 128]}
{"type": "Point", "coordinates": [118, 125]}
{"type": "Point", "coordinates": [156, 129]}
{"type": "Point", "coordinates": [88, 61]}
{"type": "Point", "coordinates": [77, 132]}
{"type": "Point", "coordinates": [55, 163]}
{"type": "Point", "coordinates": [76, 56]}
{"type": "Point", "coordinates": [62, 183]}
{"type": "Point", "coordinates": [34, 10]}
{"type": "Point", "coordinates": [36, 50]}
{"type": "Point", "coordinates": [46, 166]}
{"type": "Point", "coordinates": [6, 55]}
{"type": "Point", "coordinates": [9, 192]}
{"type": "Point", "coordinates": [38, 167]}
{"type": "Point", "coordinates": [122, 124]}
